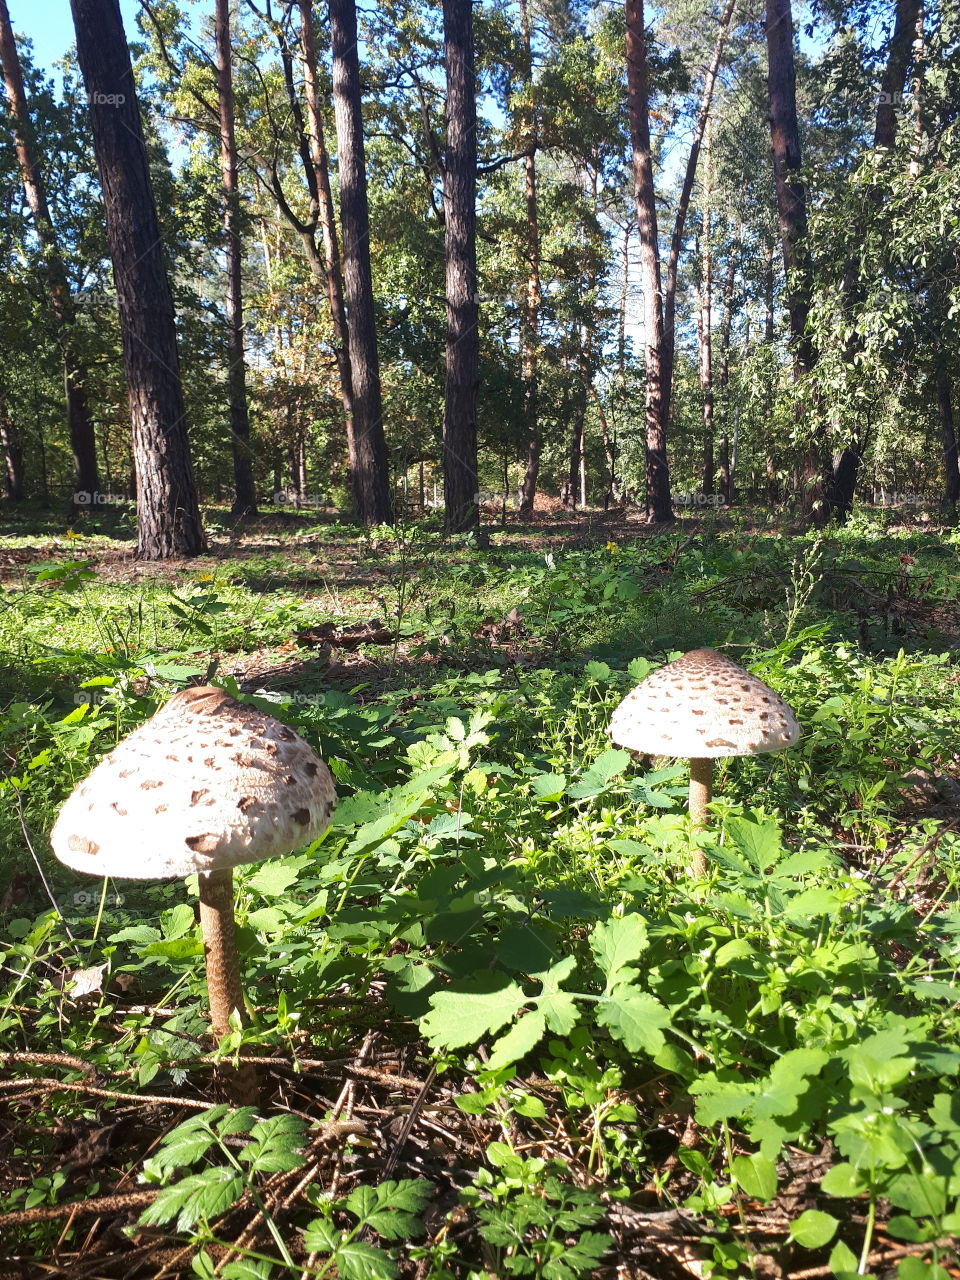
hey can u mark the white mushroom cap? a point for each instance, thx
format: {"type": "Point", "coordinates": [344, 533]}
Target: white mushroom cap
{"type": "Point", "coordinates": [700, 706]}
{"type": "Point", "coordinates": [206, 784]}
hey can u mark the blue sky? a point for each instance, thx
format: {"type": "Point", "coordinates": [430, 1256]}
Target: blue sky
{"type": "Point", "coordinates": [49, 25]}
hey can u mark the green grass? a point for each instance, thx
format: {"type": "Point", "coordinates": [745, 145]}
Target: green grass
{"type": "Point", "coordinates": [507, 897]}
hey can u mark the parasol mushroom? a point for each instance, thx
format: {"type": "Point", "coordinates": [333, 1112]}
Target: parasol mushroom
{"type": "Point", "coordinates": [703, 706]}
{"type": "Point", "coordinates": [204, 786]}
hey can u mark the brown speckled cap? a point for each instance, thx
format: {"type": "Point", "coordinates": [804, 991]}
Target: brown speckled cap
{"type": "Point", "coordinates": [700, 706]}
{"type": "Point", "coordinates": [207, 783]}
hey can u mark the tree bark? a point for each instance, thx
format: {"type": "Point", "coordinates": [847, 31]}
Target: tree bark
{"type": "Point", "coordinates": [907, 14]}
{"type": "Point", "coordinates": [79, 425]}
{"type": "Point", "coordinates": [168, 514]}
{"type": "Point", "coordinates": [245, 494]}
{"type": "Point", "coordinates": [333, 272]}
{"type": "Point", "coordinates": [531, 334]}
{"type": "Point", "coordinates": [370, 481]}
{"type": "Point", "coordinates": [948, 435]}
{"type": "Point", "coordinates": [683, 205]}
{"type": "Point", "coordinates": [726, 325]}
{"type": "Point", "coordinates": [12, 447]}
{"type": "Point", "coordinates": [658, 505]}
{"type": "Point", "coordinates": [460, 243]}
{"type": "Point", "coordinates": [705, 321]}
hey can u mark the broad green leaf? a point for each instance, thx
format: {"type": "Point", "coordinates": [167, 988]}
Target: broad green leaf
{"type": "Point", "coordinates": [359, 1261]}
{"type": "Point", "coordinates": [813, 1229]}
{"type": "Point", "coordinates": [843, 1180]}
{"type": "Point", "coordinates": [177, 921]}
{"type": "Point", "coordinates": [616, 943]}
{"type": "Point", "coordinates": [604, 769]}
{"type": "Point", "coordinates": [275, 878]}
{"type": "Point", "coordinates": [635, 1018]}
{"type": "Point", "coordinates": [756, 1175]}
{"type": "Point", "coordinates": [560, 1010]}
{"type": "Point", "coordinates": [199, 1196]}
{"type": "Point", "coordinates": [273, 1144]}
{"type": "Point", "coordinates": [174, 948]}
{"type": "Point", "coordinates": [321, 1236]}
{"type": "Point", "coordinates": [920, 1269]}
{"type": "Point", "coordinates": [843, 1261]}
{"type": "Point", "coordinates": [759, 842]}
{"type": "Point", "coordinates": [462, 1015]}
{"type": "Point", "coordinates": [518, 1041]}
{"type": "Point", "coordinates": [548, 786]}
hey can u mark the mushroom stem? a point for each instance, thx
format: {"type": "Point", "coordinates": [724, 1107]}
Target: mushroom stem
{"type": "Point", "coordinates": [701, 790]}
{"type": "Point", "coordinates": [223, 975]}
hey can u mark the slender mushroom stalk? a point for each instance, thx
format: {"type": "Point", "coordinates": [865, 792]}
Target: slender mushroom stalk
{"type": "Point", "coordinates": [204, 786]}
{"type": "Point", "coordinates": [703, 706]}
{"type": "Point", "coordinates": [224, 988]}
{"type": "Point", "coordinates": [701, 790]}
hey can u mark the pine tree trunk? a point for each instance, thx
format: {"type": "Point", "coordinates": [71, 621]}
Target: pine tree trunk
{"type": "Point", "coordinates": [948, 435]}
{"type": "Point", "coordinates": [531, 328]}
{"type": "Point", "coordinates": [245, 494]}
{"type": "Point", "coordinates": [726, 325]}
{"type": "Point", "coordinates": [79, 424]}
{"type": "Point", "coordinates": [705, 321]}
{"type": "Point", "coordinates": [658, 506]}
{"type": "Point", "coordinates": [792, 214]}
{"type": "Point", "coordinates": [371, 480]}
{"type": "Point", "coordinates": [906, 16]}
{"type": "Point", "coordinates": [12, 448]}
{"type": "Point", "coordinates": [459, 202]}
{"type": "Point", "coordinates": [333, 271]}
{"type": "Point", "coordinates": [168, 514]}
{"type": "Point", "coordinates": [683, 204]}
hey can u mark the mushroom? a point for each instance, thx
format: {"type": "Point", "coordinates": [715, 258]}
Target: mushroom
{"type": "Point", "coordinates": [703, 706]}
{"type": "Point", "coordinates": [205, 785]}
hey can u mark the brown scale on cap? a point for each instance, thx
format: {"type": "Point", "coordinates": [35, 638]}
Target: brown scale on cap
{"type": "Point", "coordinates": [703, 705]}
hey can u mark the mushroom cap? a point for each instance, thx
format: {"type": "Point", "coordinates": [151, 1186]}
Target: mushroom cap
{"type": "Point", "coordinates": [207, 783]}
{"type": "Point", "coordinates": [703, 705]}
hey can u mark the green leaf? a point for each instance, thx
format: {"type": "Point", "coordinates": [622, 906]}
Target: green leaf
{"type": "Point", "coordinates": [617, 942]}
{"type": "Point", "coordinates": [275, 878]}
{"type": "Point", "coordinates": [321, 1236]}
{"type": "Point", "coordinates": [199, 1196]}
{"type": "Point", "coordinates": [273, 1144]}
{"type": "Point", "coordinates": [359, 1261]}
{"type": "Point", "coordinates": [463, 1014]}
{"type": "Point", "coordinates": [604, 769]}
{"type": "Point", "coordinates": [843, 1180]}
{"type": "Point", "coordinates": [174, 948]}
{"type": "Point", "coordinates": [756, 1175]}
{"type": "Point", "coordinates": [759, 842]}
{"type": "Point", "coordinates": [920, 1269]}
{"type": "Point", "coordinates": [560, 1010]}
{"type": "Point", "coordinates": [177, 921]}
{"type": "Point", "coordinates": [636, 1019]}
{"type": "Point", "coordinates": [518, 1041]}
{"type": "Point", "coordinates": [813, 1229]}
{"type": "Point", "coordinates": [548, 786]}
{"type": "Point", "coordinates": [843, 1261]}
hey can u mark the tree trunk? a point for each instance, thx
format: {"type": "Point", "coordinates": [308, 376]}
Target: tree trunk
{"type": "Point", "coordinates": [168, 514]}
{"type": "Point", "coordinates": [460, 243]}
{"type": "Point", "coordinates": [907, 13]}
{"type": "Point", "coordinates": [12, 448]}
{"type": "Point", "coordinates": [371, 481]}
{"type": "Point", "coordinates": [79, 425]}
{"type": "Point", "coordinates": [948, 435]}
{"type": "Point", "coordinates": [705, 321]}
{"type": "Point", "coordinates": [333, 273]}
{"type": "Point", "coordinates": [576, 477]}
{"type": "Point", "coordinates": [531, 332]}
{"type": "Point", "coordinates": [658, 506]}
{"type": "Point", "coordinates": [726, 325]}
{"type": "Point", "coordinates": [683, 204]}
{"type": "Point", "coordinates": [245, 494]}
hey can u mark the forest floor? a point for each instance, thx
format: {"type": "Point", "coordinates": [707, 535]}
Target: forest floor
{"type": "Point", "coordinates": [500, 1027]}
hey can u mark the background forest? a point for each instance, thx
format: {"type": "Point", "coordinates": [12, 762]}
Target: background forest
{"type": "Point", "coordinates": [845, 378]}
